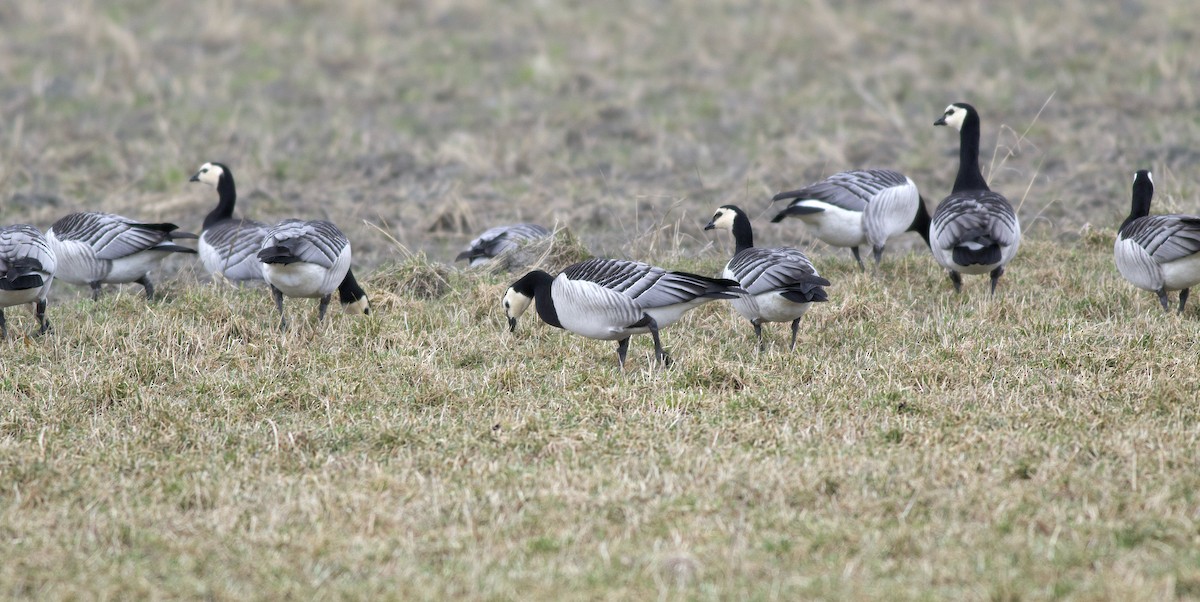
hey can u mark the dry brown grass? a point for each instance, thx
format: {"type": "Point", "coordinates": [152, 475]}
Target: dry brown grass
{"type": "Point", "coordinates": [917, 445]}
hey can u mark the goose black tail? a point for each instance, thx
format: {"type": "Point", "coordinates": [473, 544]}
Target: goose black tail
{"type": "Point", "coordinates": [277, 254]}
{"type": "Point", "coordinates": [982, 256]}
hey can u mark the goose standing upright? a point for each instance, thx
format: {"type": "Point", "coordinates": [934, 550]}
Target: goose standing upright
{"type": "Point", "coordinates": [309, 259]}
{"type": "Point", "coordinates": [612, 299]}
{"type": "Point", "coordinates": [228, 245]}
{"type": "Point", "coordinates": [858, 207]}
{"type": "Point", "coordinates": [499, 240]}
{"type": "Point", "coordinates": [27, 266]}
{"type": "Point", "coordinates": [780, 282]}
{"type": "Point", "coordinates": [974, 230]}
{"type": "Point", "coordinates": [95, 248]}
{"type": "Point", "coordinates": [1159, 253]}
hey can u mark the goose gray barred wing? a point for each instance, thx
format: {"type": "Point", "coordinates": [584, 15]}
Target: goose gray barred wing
{"type": "Point", "coordinates": [850, 190]}
{"type": "Point", "coordinates": [236, 244]}
{"type": "Point", "coordinates": [23, 247]}
{"type": "Point", "coordinates": [500, 239]}
{"type": "Point", "coordinates": [975, 215]}
{"type": "Point", "coordinates": [649, 285]}
{"type": "Point", "coordinates": [110, 236]}
{"type": "Point", "coordinates": [1165, 237]}
{"type": "Point", "coordinates": [762, 270]}
{"type": "Point", "coordinates": [316, 242]}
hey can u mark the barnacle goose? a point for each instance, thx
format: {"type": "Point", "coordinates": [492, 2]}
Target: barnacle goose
{"type": "Point", "coordinates": [780, 282]}
{"type": "Point", "coordinates": [499, 240]}
{"type": "Point", "coordinates": [27, 266]}
{"type": "Point", "coordinates": [227, 244]}
{"type": "Point", "coordinates": [101, 248]}
{"type": "Point", "coordinates": [310, 259]}
{"type": "Point", "coordinates": [611, 299]}
{"type": "Point", "coordinates": [974, 230]}
{"type": "Point", "coordinates": [1158, 253]}
{"type": "Point", "coordinates": [858, 207]}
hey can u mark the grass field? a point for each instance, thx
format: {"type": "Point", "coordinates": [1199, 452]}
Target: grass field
{"type": "Point", "coordinates": [917, 445]}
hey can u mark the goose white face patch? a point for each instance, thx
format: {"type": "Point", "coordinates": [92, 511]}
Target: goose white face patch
{"type": "Point", "coordinates": [723, 219]}
{"type": "Point", "coordinates": [515, 304]}
{"type": "Point", "coordinates": [209, 174]}
{"type": "Point", "coordinates": [954, 117]}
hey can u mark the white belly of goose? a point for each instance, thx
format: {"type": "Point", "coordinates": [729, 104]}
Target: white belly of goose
{"type": "Point", "coordinates": [301, 279]}
{"type": "Point", "coordinates": [835, 226]}
{"type": "Point", "coordinates": [590, 310]}
{"type": "Point", "coordinates": [1182, 273]}
{"type": "Point", "coordinates": [21, 297]}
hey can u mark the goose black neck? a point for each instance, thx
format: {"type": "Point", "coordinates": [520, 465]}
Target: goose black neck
{"type": "Point", "coordinates": [349, 291]}
{"type": "Point", "coordinates": [969, 176]}
{"type": "Point", "coordinates": [538, 285]}
{"type": "Point", "coordinates": [1143, 192]}
{"type": "Point", "coordinates": [743, 232]}
{"type": "Point", "coordinates": [228, 193]}
{"type": "Point", "coordinates": [921, 221]}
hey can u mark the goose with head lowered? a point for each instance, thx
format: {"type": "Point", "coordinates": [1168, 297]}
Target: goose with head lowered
{"type": "Point", "coordinates": [27, 265]}
{"type": "Point", "coordinates": [853, 208]}
{"type": "Point", "coordinates": [310, 259]}
{"type": "Point", "coordinates": [612, 299]}
{"type": "Point", "coordinates": [1159, 253]}
{"type": "Point", "coordinates": [780, 282]}
{"type": "Point", "coordinates": [228, 245]}
{"type": "Point", "coordinates": [499, 240]}
{"type": "Point", "coordinates": [101, 248]}
{"type": "Point", "coordinates": [974, 230]}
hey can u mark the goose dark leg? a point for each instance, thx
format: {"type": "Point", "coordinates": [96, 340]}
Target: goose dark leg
{"type": "Point", "coordinates": [622, 350]}
{"type": "Point", "coordinates": [278, 294]}
{"type": "Point", "coordinates": [956, 278]}
{"type": "Point", "coordinates": [324, 307]}
{"type": "Point", "coordinates": [861, 265]}
{"type": "Point", "coordinates": [1183, 295]}
{"type": "Point", "coordinates": [878, 253]}
{"type": "Point", "coordinates": [1162, 298]}
{"type": "Point", "coordinates": [758, 332]}
{"type": "Point", "coordinates": [996, 274]}
{"type": "Point", "coordinates": [795, 331]}
{"type": "Point", "coordinates": [3, 326]}
{"type": "Point", "coordinates": [95, 290]}
{"type": "Point", "coordinates": [40, 311]}
{"type": "Point", "coordinates": [145, 282]}
{"type": "Point", "coordinates": [658, 348]}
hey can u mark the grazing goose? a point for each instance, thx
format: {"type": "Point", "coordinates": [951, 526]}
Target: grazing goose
{"type": "Point", "coordinates": [27, 266]}
{"type": "Point", "coordinates": [853, 208]}
{"type": "Point", "coordinates": [974, 230]}
{"type": "Point", "coordinates": [499, 240]}
{"type": "Point", "coordinates": [309, 260]}
{"type": "Point", "coordinates": [228, 245]}
{"type": "Point", "coordinates": [101, 248]}
{"type": "Point", "coordinates": [780, 282]}
{"type": "Point", "coordinates": [1158, 253]}
{"type": "Point", "coordinates": [611, 299]}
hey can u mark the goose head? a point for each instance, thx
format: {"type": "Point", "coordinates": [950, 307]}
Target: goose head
{"type": "Point", "coordinates": [210, 173]}
{"type": "Point", "coordinates": [518, 297]}
{"type": "Point", "coordinates": [955, 115]}
{"type": "Point", "coordinates": [723, 218]}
